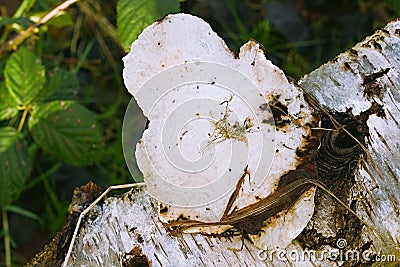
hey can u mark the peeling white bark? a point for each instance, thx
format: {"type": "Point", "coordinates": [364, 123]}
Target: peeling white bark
{"type": "Point", "coordinates": [122, 224]}
{"type": "Point", "coordinates": [132, 221]}
{"type": "Point", "coordinates": [338, 85]}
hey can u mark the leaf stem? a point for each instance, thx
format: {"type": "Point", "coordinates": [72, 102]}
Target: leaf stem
{"type": "Point", "coordinates": [6, 230]}
{"type": "Point", "coordinates": [22, 121]}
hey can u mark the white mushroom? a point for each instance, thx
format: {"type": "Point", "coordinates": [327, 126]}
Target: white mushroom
{"type": "Point", "coordinates": [209, 118]}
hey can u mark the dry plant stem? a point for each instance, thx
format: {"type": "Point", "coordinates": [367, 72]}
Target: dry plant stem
{"type": "Point", "coordinates": [75, 36]}
{"type": "Point", "coordinates": [89, 8]}
{"type": "Point", "coordinates": [6, 230]}
{"type": "Point", "coordinates": [7, 46]}
{"type": "Point", "coordinates": [367, 153]}
{"type": "Point", "coordinates": [113, 187]}
{"type": "Point", "coordinates": [235, 194]}
{"type": "Point", "coordinates": [106, 50]}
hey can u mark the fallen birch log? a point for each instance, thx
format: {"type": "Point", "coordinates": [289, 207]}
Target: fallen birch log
{"type": "Point", "coordinates": [340, 128]}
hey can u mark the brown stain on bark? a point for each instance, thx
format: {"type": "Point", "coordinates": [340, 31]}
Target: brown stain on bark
{"type": "Point", "coordinates": [135, 258]}
{"type": "Point", "coordinates": [280, 114]}
{"type": "Point", "coordinates": [372, 85]}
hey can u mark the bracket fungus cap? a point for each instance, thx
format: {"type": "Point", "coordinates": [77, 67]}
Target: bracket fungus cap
{"type": "Point", "coordinates": [210, 117]}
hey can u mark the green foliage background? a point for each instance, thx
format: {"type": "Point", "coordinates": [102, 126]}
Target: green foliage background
{"type": "Point", "coordinates": [62, 98]}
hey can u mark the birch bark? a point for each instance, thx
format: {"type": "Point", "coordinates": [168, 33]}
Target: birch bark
{"type": "Point", "coordinates": [362, 81]}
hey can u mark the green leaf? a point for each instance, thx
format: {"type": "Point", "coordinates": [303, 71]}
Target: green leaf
{"type": "Point", "coordinates": [8, 106]}
{"type": "Point", "coordinates": [14, 167]}
{"type": "Point", "coordinates": [135, 15]}
{"type": "Point", "coordinates": [7, 137]}
{"type": "Point", "coordinates": [67, 130]}
{"type": "Point", "coordinates": [62, 19]}
{"type": "Point", "coordinates": [23, 212]}
{"type": "Point", "coordinates": [24, 76]}
{"type": "Point", "coordinates": [62, 85]}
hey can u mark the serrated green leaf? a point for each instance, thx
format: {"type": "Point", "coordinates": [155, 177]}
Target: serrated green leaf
{"type": "Point", "coordinates": [62, 85]}
{"type": "Point", "coordinates": [6, 111]}
{"type": "Point", "coordinates": [67, 130]}
{"type": "Point", "coordinates": [135, 15]}
{"type": "Point", "coordinates": [24, 76]}
{"type": "Point", "coordinates": [8, 106]}
{"type": "Point", "coordinates": [7, 137]}
{"type": "Point", "coordinates": [14, 167]}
